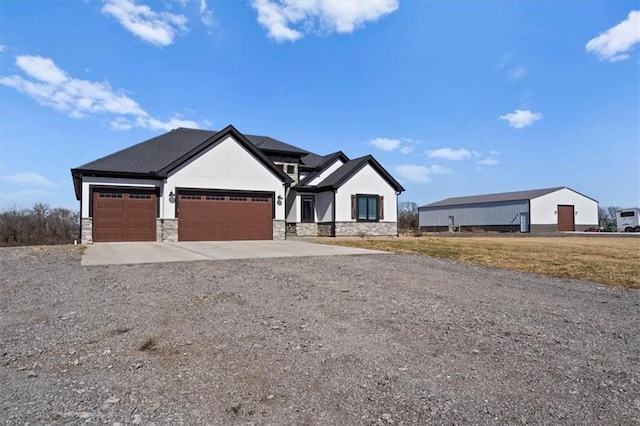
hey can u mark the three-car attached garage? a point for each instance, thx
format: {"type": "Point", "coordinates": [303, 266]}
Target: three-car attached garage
{"type": "Point", "coordinates": [185, 185]}
{"type": "Point", "coordinates": [121, 214]}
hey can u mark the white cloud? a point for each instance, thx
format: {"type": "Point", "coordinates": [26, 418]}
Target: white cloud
{"type": "Point", "coordinates": [489, 160]}
{"type": "Point", "coordinates": [413, 173]}
{"type": "Point", "coordinates": [517, 73]}
{"type": "Point", "coordinates": [450, 154]}
{"type": "Point", "coordinates": [50, 86]}
{"type": "Point", "coordinates": [206, 16]}
{"type": "Point", "coordinates": [521, 118]}
{"type": "Point", "coordinates": [30, 179]}
{"type": "Point", "coordinates": [2, 47]}
{"type": "Point", "coordinates": [420, 174]}
{"type": "Point", "coordinates": [158, 28]}
{"type": "Point", "coordinates": [404, 145]}
{"type": "Point", "coordinates": [26, 196]}
{"type": "Point", "coordinates": [42, 69]}
{"type": "Point", "coordinates": [439, 170]}
{"type": "Point", "coordinates": [344, 16]}
{"type": "Point", "coordinates": [385, 144]}
{"type": "Point", "coordinates": [613, 44]}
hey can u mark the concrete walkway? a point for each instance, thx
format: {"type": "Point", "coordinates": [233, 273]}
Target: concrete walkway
{"type": "Point", "coordinates": [153, 252]}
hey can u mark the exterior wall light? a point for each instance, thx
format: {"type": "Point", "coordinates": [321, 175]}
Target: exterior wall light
{"type": "Point", "coordinates": [279, 200]}
{"type": "Point", "coordinates": [172, 197]}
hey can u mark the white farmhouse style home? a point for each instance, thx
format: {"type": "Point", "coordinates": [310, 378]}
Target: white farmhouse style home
{"type": "Point", "coordinates": [201, 185]}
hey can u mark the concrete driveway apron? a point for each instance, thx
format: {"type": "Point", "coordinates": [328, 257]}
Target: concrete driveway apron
{"type": "Point", "coordinates": [155, 252]}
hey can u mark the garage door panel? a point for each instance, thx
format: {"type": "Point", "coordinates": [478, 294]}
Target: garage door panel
{"type": "Point", "coordinates": [224, 217]}
{"type": "Point", "coordinates": [124, 215]}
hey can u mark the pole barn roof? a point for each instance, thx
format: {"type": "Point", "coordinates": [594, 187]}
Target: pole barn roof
{"type": "Point", "coordinates": [494, 198]}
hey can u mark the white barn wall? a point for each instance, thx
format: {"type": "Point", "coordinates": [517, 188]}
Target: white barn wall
{"type": "Point", "coordinates": [366, 181]}
{"type": "Point", "coordinates": [544, 208]}
{"type": "Point", "coordinates": [226, 166]}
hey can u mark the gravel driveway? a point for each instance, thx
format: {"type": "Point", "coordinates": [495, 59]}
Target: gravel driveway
{"type": "Point", "coordinates": [376, 339]}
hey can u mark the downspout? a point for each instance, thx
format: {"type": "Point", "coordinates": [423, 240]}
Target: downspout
{"type": "Point", "coordinates": [397, 213]}
{"type": "Point", "coordinates": [333, 214]}
{"type": "Point", "coordinates": [80, 230]}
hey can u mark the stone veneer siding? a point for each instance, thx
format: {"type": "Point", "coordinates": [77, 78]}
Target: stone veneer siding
{"type": "Point", "coordinates": [307, 229]}
{"type": "Point", "coordinates": [279, 230]}
{"type": "Point", "coordinates": [86, 232]}
{"type": "Point", "coordinates": [356, 229]}
{"type": "Point", "coordinates": [324, 229]}
{"type": "Point", "coordinates": [168, 230]}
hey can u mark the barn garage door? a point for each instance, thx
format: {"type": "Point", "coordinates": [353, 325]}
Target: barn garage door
{"type": "Point", "coordinates": [124, 215]}
{"type": "Point", "coordinates": [566, 218]}
{"type": "Point", "coordinates": [224, 217]}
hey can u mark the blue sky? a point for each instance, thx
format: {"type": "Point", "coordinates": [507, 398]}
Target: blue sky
{"type": "Point", "coordinates": [454, 98]}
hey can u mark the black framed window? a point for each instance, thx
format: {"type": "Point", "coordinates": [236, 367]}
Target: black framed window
{"type": "Point", "coordinates": [307, 208]}
{"type": "Point", "coordinates": [367, 206]}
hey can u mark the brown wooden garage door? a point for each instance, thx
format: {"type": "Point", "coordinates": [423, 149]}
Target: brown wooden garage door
{"type": "Point", "coordinates": [566, 218]}
{"type": "Point", "coordinates": [224, 217]}
{"type": "Point", "coordinates": [124, 215]}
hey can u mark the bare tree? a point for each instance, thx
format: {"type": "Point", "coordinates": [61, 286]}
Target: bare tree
{"type": "Point", "coordinates": [38, 225]}
{"type": "Point", "coordinates": [408, 216]}
{"type": "Point", "coordinates": [607, 216]}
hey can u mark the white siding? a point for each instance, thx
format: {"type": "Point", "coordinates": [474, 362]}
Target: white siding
{"type": "Point", "coordinates": [366, 181]}
{"type": "Point", "coordinates": [88, 181]}
{"type": "Point", "coordinates": [293, 214]}
{"type": "Point", "coordinates": [226, 166]}
{"type": "Point", "coordinates": [544, 208]}
{"type": "Point", "coordinates": [324, 211]}
{"type": "Point", "coordinates": [326, 172]}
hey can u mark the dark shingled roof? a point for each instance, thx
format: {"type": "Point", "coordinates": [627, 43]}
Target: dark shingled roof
{"type": "Point", "coordinates": [311, 161]}
{"type": "Point", "coordinates": [325, 161]}
{"type": "Point", "coordinates": [157, 153]}
{"type": "Point", "coordinates": [154, 158]}
{"type": "Point", "coordinates": [494, 198]}
{"type": "Point", "coordinates": [350, 168]}
{"type": "Point", "coordinates": [265, 143]}
{"type": "Point", "coordinates": [152, 155]}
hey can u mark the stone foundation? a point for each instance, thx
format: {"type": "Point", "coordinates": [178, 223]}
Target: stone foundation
{"type": "Point", "coordinates": [167, 230]}
{"type": "Point", "coordinates": [86, 232]}
{"type": "Point", "coordinates": [324, 229]}
{"type": "Point", "coordinates": [291, 230]}
{"type": "Point", "coordinates": [279, 230]}
{"type": "Point", "coordinates": [362, 229]}
{"type": "Point", "coordinates": [307, 229]}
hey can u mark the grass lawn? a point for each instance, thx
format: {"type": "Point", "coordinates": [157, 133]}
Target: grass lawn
{"type": "Point", "coordinates": [607, 260]}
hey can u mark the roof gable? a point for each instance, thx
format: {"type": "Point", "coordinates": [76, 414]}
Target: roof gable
{"type": "Point", "coordinates": [336, 179]}
{"type": "Point", "coordinates": [158, 156]}
{"type": "Point", "coordinates": [322, 165]}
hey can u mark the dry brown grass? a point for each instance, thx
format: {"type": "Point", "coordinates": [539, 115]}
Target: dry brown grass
{"type": "Point", "coordinates": [608, 260]}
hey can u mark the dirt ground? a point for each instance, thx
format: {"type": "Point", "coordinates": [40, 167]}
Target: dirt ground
{"type": "Point", "coordinates": [373, 339]}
